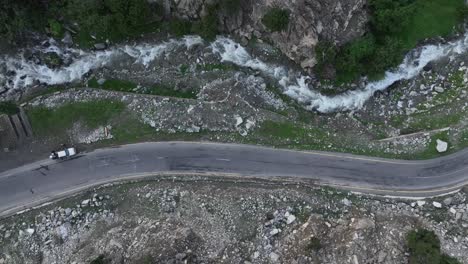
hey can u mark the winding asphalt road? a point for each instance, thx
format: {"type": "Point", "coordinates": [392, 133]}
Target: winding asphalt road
{"type": "Point", "coordinates": [45, 180]}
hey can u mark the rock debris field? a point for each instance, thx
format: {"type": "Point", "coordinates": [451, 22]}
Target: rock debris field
{"type": "Point", "coordinates": [201, 220]}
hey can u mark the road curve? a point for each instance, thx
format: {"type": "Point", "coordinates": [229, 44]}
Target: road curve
{"type": "Point", "coordinates": [42, 181]}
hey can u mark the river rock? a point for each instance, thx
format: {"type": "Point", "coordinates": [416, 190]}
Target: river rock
{"type": "Point", "coordinates": [30, 231]}
{"type": "Point", "coordinates": [290, 219]}
{"type": "Point", "coordinates": [67, 39]}
{"type": "Point", "coordinates": [52, 60]}
{"type": "Point", "coordinates": [441, 146]}
{"type": "Point", "coordinates": [439, 89]}
{"type": "Point", "coordinates": [381, 257]}
{"type": "Point", "coordinates": [427, 67]}
{"type": "Point", "coordinates": [100, 46]}
{"type": "Point", "coordinates": [274, 257]}
{"type": "Point", "coordinates": [101, 81]}
{"type": "Point", "coordinates": [437, 204]}
{"type": "Point", "coordinates": [448, 201]}
{"type": "Point", "coordinates": [346, 202]}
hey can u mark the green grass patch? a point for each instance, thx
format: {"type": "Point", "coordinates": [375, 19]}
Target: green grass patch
{"type": "Point", "coordinates": [163, 90]}
{"type": "Point", "coordinates": [217, 67]}
{"type": "Point", "coordinates": [276, 19]}
{"type": "Point", "coordinates": [128, 86]}
{"type": "Point", "coordinates": [55, 28]}
{"type": "Point", "coordinates": [184, 68]}
{"type": "Point", "coordinates": [431, 18]}
{"type": "Point", "coordinates": [131, 130]}
{"type": "Point", "coordinates": [432, 120]}
{"type": "Point", "coordinates": [113, 85]}
{"type": "Point", "coordinates": [8, 108]}
{"type": "Point", "coordinates": [431, 151]}
{"type": "Point", "coordinates": [281, 130]}
{"type": "Point", "coordinates": [48, 90]}
{"type": "Point", "coordinates": [46, 122]}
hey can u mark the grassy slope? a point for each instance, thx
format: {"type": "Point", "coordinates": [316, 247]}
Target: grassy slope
{"type": "Point", "coordinates": [46, 122]}
{"type": "Point", "coordinates": [130, 87]}
{"type": "Point", "coordinates": [432, 18]}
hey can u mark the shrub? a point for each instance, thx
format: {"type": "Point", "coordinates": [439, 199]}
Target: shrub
{"type": "Point", "coordinates": [8, 108]}
{"type": "Point", "coordinates": [101, 259]}
{"type": "Point", "coordinates": [207, 27]}
{"type": "Point", "coordinates": [55, 28]}
{"type": "Point", "coordinates": [276, 19]}
{"type": "Point", "coordinates": [424, 247]}
{"type": "Point", "coordinates": [391, 16]}
{"type": "Point", "coordinates": [314, 244]}
{"type": "Point", "coordinates": [180, 27]}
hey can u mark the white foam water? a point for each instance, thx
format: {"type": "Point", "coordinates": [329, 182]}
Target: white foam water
{"type": "Point", "coordinates": [27, 72]}
{"type": "Point", "coordinates": [296, 86]}
{"type": "Point", "coordinates": [293, 83]}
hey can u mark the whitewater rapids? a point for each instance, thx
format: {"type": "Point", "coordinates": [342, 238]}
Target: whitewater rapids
{"type": "Point", "coordinates": [293, 84]}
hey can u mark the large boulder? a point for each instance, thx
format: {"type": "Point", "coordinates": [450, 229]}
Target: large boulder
{"type": "Point", "coordinates": [441, 146]}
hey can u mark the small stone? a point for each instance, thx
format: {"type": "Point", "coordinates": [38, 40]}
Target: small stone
{"type": "Point", "coordinates": [148, 195]}
{"type": "Point", "coordinates": [381, 257]}
{"type": "Point", "coordinates": [74, 213]}
{"type": "Point", "coordinates": [101, 81]}
{"type": "Point", "coordinates": [346, 202]}
{"type": "Point", "coordinates": [421, 203]}
{"type": "Point", "coordinates": [437, 204]}
{"type": "Point", "coordinates": [244, 41]}
{"type": "Point", "coordinates": [274, 257]}
{"type": "Point", "coordinates": [274, 232]}
{"type": "Point", "coordinates": [30, 231]}
{"type": "Point", "coordinates": [448, 201]}
{"type": "Point", "coordinates": [453, 211]}
{"type": "Point", "coordinates": [180, 256]}
{"type": "Point", "coordinates": [439, 89]}
{"type": "Point", "coordinates": [100, 46]}
{"type": "Point", "coordinates": [441, 146]}
{"type": "Point", "coordinates": [290, 219]}
{"type": "Point", "coordinates": [427, 67]}
{"type": "Point", "coordinates": [239, 120]}
{"type": "Point", "coordinates": [355, 259]}
{"type": "Point", "coordinates": [68, 211]}
{"type": "Point", "coordinates": [67, 38]}
{"type": "Point", "coordinates": [2, 260]}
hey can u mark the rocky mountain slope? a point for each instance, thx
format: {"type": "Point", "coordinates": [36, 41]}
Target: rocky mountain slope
{"type": "Point", "coordinates": [309, 20]}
